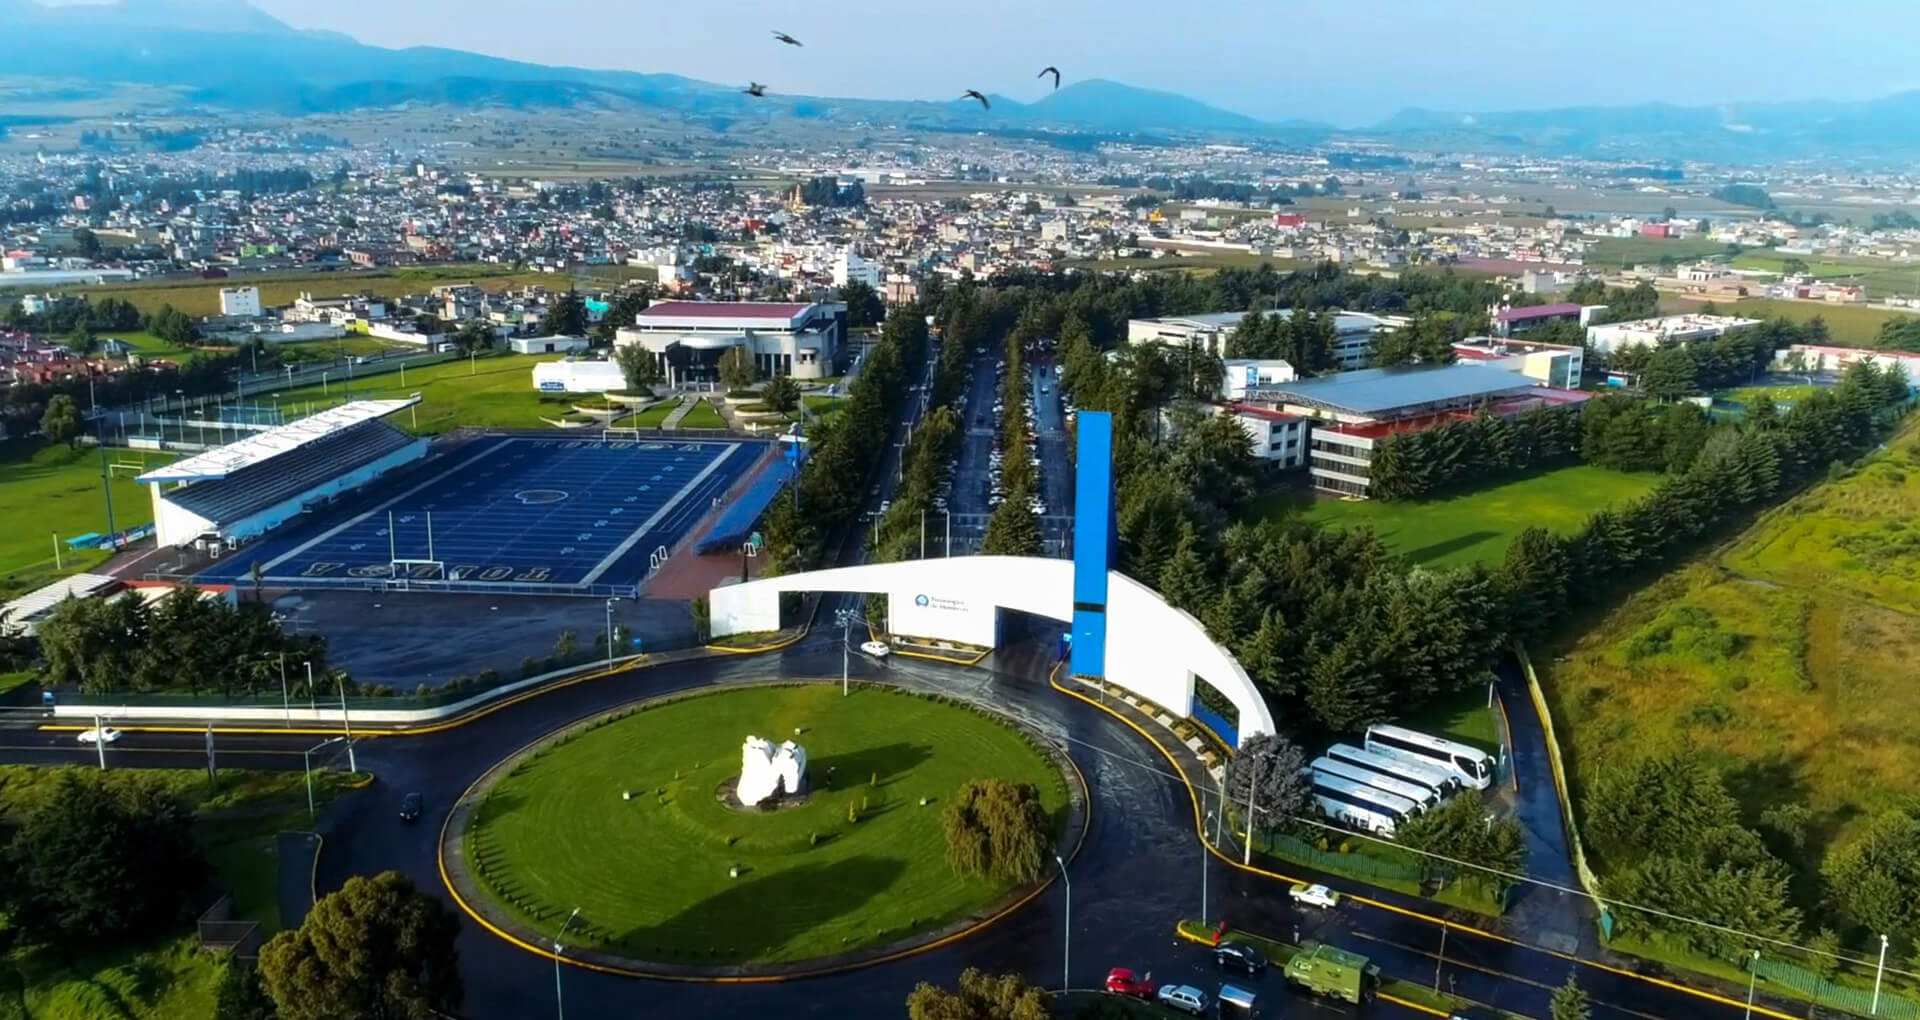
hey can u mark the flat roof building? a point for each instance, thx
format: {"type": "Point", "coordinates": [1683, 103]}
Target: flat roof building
{"type": "Point", "coordinates": [1663, 329]}
{"type": "Point", "coordinates": [1353, 332]}
{"type": "Point", "coordinates": [688, 338]}
{"type": "Point", "coordinates": [1553, 364]}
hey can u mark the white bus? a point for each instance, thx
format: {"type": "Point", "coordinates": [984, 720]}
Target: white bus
{"type": "Point", "coordinates": [1359, 805]}
{"type": "Point", "coordinates": [1422, 797]}
{"type": "Point", "coordinates": [1433, 777]}
{"type": "Point", "coordinates": [1472, 765]}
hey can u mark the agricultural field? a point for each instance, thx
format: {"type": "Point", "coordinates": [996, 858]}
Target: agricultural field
{"type": "Point", "coordinates": [56, 489]}
{"type": "Point", "coordinates": [202, 297]}
{"type": "Point", "coordinates": [1611, 252]}
{"type": "Point", "coordinates": [1849, 325]}
{"type": "Point", "coordinates": [1881, 277]}
{"type": "Point", "coordinates": [1474, 527]}
{"type": "Point", "coordinates": [1786, 660]}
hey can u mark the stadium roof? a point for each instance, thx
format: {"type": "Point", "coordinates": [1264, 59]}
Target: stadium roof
{"type": "Point", "coordinates": [260, 447]}
{"type": "Point", "coordinates": [673, 313]}
{"type": "Point", "coordinates": [1379, 392]}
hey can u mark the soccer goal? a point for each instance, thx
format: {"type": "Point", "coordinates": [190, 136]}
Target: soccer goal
{"type": "Point", "coordinates": [621, 433]}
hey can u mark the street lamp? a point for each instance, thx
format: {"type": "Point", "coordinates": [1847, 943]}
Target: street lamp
{"type": "Point", "coordinates": [1253, 783]}
{"type": "Point", "coordinates": [1203, 874]}
{"type": "Point", "coordinates": [559, 1007]}
{"type": "Point", "coordinates": [1879, 972]}
{"type": "Point", "coordinates": [1066, 948]}
{"type": "Point", "coordinates": [845, 618]}
{"type": "Point", "coordinates": [306, 758]}
{"type": "Point", "coordinates": [346, 719]}
{"type": "Point", "coordinates": [610, 603]}
{"type": "Point", "coordinates": [1753, 973]}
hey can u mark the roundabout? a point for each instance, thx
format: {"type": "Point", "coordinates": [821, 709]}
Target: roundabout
{"type": "Point", "coordinates": [630, 816]}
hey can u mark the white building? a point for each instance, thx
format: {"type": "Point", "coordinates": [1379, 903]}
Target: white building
{"type": "Point", "coordinates": [584, 376]}
{"type": "Point", "coordinates": [1664, 329]}
{"type": "Point", "coordinates": [1278, 438]}
{"type": "Point", "coordinates": [1556, 365]}
{"type": "Point", "coordinates": [240, 302]}
{"type": "Point", "coordinates": [547, 344]}
{"type": "Point", "coordinates": [849, 267]}
{"type": "Point", "coordinates": [1812, 358]}
{"type": "Point", "coordinates": [1353, 332]}
{"type": "Point", "coordinates": [1242, 374]}
{"type": "Point", "coordinates": [688, 338]}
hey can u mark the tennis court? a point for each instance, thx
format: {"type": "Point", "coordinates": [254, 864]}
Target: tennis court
{"type": "Point", "coordinates": [546, 514]}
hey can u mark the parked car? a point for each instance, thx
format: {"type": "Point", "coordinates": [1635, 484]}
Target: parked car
{"type": "Point", "coordinates": [1120, 981]}
{"type": "Point", "coordinates": [410, 808]}
{"type": "Point", "coordinates": [103, 735]}
{"type": "Point", "coordinates": [1314, 895]}
{"type": "Point", "coordinates": [1185, 998]}
{"type": "Point", "coordinates": [1240, 956]}
{"type": "Point", "coordinates": [877, 649]}
{"type": "Point", "coordinates": [1472, 1013]}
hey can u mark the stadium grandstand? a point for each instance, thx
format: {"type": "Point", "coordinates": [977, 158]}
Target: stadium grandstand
{"type": "Point", "coordinates": [239, 491]}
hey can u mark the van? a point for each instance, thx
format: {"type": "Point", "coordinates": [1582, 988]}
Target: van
{"type": "Point", "coordinates": [1236, 1003]}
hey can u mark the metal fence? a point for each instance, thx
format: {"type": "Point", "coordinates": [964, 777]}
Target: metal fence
{"type": "Point", "coordinates": [1858, 1001]}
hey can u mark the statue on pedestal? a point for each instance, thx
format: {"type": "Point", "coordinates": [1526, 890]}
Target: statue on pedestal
{"type": "Point", "coordinates": [767, 771]}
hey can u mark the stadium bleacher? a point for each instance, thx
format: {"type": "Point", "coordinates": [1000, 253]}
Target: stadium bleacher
{"type": "Point", "coordinates": [259, 486]}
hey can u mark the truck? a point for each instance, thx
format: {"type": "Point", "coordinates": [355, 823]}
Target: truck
{"type": "Point", "coordinates": [1333, 973]}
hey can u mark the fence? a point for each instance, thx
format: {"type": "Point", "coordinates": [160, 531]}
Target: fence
{"type": "Point", "coordinates": [1357, 865]}
{"type": "Point", "coordinates": [220, 933]}
{"type": "Point", "coordinates": [1588, 880]}
{"type": "Point", "coordinates": [1858, 1001]}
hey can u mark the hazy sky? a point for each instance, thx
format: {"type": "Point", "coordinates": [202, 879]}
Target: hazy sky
{"type": "Point", "coordinates": [1349, 61]}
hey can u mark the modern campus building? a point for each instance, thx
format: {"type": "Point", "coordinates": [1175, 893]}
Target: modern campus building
{"type": "Point", "coordinates": [1557, 365]}
{"type": "Point", "coordinates": [1817, 358]}
{"type": "Point", "coordinates": [688, 338]}
{"type": "Point", "coordinates": [1278, 439]}
{"type": "Point", "coordinates": [1353, 332]}
{"type": "Point", "coordinates": [1352, 411]}
{"type": "Point", "coordinates": [239, 491]}
{"type": "Point", "coordinates": [1242, 374]}
{"type": "Point", "coordinates": [1664, 329]}
{"type": "Point", "coordinates": [1514, 321]}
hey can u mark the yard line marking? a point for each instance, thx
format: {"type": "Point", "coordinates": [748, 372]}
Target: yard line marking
{"type": "Point", "coordinates": [647, 525]}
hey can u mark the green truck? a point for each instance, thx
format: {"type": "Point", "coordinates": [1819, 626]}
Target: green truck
{"type": "Point", "coordinates": [1334, 973]}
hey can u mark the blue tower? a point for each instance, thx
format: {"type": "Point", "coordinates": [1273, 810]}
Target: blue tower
{"type": "Point", "coordinates": [1093, 542]}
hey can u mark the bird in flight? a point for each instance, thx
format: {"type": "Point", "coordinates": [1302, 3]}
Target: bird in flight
{"type": "Point", "coordinates": [785, 38]}
{"type": "Point", "coordinates": [754, 88]}
{"type": "Point", "coordinates": [1050, 71]}
{"type": "Point", "coordinates": [975, 94]}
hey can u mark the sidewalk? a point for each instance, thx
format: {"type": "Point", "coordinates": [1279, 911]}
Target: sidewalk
{"type": "Point", "coordinates": [673, 418]}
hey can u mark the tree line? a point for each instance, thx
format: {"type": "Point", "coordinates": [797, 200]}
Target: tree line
{"type": "Point", "coordinates": [183, 642]}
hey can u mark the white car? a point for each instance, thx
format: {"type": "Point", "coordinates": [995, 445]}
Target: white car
{"type": "Point", "coordinates": [1314, 895]}
{"type": "Point", "coordinates": [103, 735]}
{"type": "Point", "coordinates": [1185, 998]}
{"type": "Point", "coordinates": [877, 649]}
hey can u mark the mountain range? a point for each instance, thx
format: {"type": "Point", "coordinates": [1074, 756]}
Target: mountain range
{"type": "Point", "coordinates": [228, 54]}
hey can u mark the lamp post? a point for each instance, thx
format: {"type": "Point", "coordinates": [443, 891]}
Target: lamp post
{"type": "Point", "coordinates": [1203, 875]}
{"type": "Point", "coordinates": [846, 626]}
{"type": "Point", "coordinates": [1753, 973]}
{"type": "Point", "coordinates": [306, 763]}
{"type": "Point", "coordinates": [559, 1007]}
{"type": "Point", "coordinates": [1879, 972]}
{"type": "Point", "coordinates": [1066, 947]}
{"type": "Point", "coordinates": [1253, 783]}
{"type": "Point", "coordinates": [1441, 960]}
{"type": "Point", "coordinates": [610, 603]}
{"type": "Point", "coordinates": [286, 706]}
{"type": "Point", "coordinates": [346, 719]}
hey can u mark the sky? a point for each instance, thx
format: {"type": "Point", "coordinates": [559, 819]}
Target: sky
{"type": "Point", "coordinates": [1349, 62]}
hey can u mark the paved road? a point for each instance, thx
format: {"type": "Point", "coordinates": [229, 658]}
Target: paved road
{"type": "Point", "coordinates": [1054, 461]}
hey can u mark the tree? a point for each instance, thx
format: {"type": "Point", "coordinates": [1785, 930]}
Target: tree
{"type": "Point", "coordinates": [1459, 829]}
{"type": "Point", "coordinates": [781, 393]}
{"type": "Point", "coordinates": [1013, 530]}
{"type": "Point", "coordinates": [1875, 880]}
{"type": "Point", "coordinates": [61, 421]}
{"type": "Point", "coordinates": [638, 366]}
{"type": "Point", "coordinates": [1570, 1002]}
{"type": "Point", "coordinates": [864, 307]}
{"type": "Point", "coordinates": [240, 995]}
{"type": "Point", "coordinates": [173, 326]}
{"type": "Point", "coordinates": [102, 860]}
{"type": "Point", "coordinates": [999, 829]}
{"type": "Point", "coordinates": [567, 316]}
{"type": "Point", "coordinates": [88, 242]}
{"type": "Point", "coordinates": [980, 996]}
{"type": "Point", "coordinates": [1671, 373]}
{"type": "Point", "coordinates": [737, 370]}
{"type": "Point", "coordinates": [1268, 768]}
{"type": "Point", "coordinates": [473, 335]}
{"type": "Point", "coordinates": [378, 949]}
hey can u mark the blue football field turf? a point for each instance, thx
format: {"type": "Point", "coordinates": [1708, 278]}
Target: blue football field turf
{"type": "Point", "coordinates": [519, 511]}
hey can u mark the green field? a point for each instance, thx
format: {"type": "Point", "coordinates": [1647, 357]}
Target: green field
{"type": "Point", "coordinates": [1478, 526]}
{"type": "Point", "coordinates": [652, 873]}
{"type": "Point", "coordinates": [1852, 325]}
{"type": "Point", "coordinates": [492, 391]}
{"type": "Point", "coordinates": [703, 416]}
{"type": "Point", "coordinates": [202, 297]}
{"type": "Point", "coordinates": [1787, 660]}
{"type": "Point", "coordinates": [655, 416]}
{"type": "Point", "coordinates": [1632, 251]}
{"type": "Point", "coordinates": [57, 489]}
{"type": "Point", "coordinates": [1881, 277]}
{"type": "Point", "coordinates": [171, 978]}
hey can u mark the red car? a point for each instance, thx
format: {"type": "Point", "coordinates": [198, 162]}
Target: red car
{"type": "Point", "coordinates": [1120, 981]}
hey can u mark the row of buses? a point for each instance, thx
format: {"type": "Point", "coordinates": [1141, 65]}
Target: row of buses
{"type": "Point", "coordinates": [1396, 774]}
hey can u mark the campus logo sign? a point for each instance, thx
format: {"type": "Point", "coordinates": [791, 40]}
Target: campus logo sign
{"type": "Point", "coordinates": [945, 605]}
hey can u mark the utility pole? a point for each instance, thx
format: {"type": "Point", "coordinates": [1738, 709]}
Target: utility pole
{"type": "Point", "coordinates": [1203, 875]}
{"type": "Point", "coordinates": [1066, 948]}
{"type": "Point", "coordinates": [1253, 784]}
{"type": "Point", "coordinates": [100, 746]}
{"type": "Point", "coordinates": [846, 626]}
{"type": "Point", "coordinates": [559, 1007]}
{"type": "Point", "coordinates": [1440, 961]}
{"type": "Point", "coordinates": [346, 720]}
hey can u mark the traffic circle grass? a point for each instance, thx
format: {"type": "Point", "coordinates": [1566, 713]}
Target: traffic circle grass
{"type": "Point", "coordinates": [629, 819]}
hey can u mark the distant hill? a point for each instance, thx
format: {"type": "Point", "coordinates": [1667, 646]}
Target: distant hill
{"type": "Point", "coordinates": [229, 54]}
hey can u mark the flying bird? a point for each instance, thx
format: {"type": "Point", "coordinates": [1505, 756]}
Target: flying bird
{"type": "Point", "coordinates": [1050, 71]}
{"type": "Point", "coordinates": [785, 38]}
{"type": "Point", "coordinates": [754, 88]}
{"type": "Point", "coordinates": [974, 94]}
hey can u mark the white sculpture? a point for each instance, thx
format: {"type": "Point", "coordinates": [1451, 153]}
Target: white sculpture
{"type": "Point", "coordinates": [766, 770]}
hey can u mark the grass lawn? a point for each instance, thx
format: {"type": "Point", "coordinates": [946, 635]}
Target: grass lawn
{"type": "Point", "coordinates": [653, 872]}
{"type": "Point", "coordinates": [170, 978]}
{"type": "Point", "coordinates": [57, 489]}
{"type": "Point", "coordinates": [1787, 661]}
{"type": "Point", "coordinates": [1475, 527]}
{"type": "Point", "coordinates": [148, 344]}
{"type": "Point", "coordinates": [1631, 251]}
{"type": "Point", "coordinates": [495, 390]}
{"type": "Point", "coordinates": [655, 416]}
{"type": "Point", "coordinates": [1853, 325]}
{"type": "Point", "coordinates": [1464, 717]}
{"type": "Point", "coordinates": [703, 416]}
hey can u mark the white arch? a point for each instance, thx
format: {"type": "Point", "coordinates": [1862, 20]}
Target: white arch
{"type": "Point", "coordinates": [1153, 648]}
